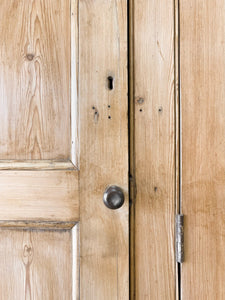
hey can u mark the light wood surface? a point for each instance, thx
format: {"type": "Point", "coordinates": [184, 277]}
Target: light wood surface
{"type": "Point", "coordinates": [154, 149]}
{"type": "Point", "coordinates": [39, 195]}
{"type": "Point", "coordinates": [35, 79]}
{"type": "Point", "coordinates": [49, 125]}
{"type": "Point", "coordinates": [36, 224]}
{"type": "Point", "coordinates": [39, 148]}
{"type": "Point", "coordinates": [38, 164]}
{"type": "Point", "coordinates": [202, 55]}
{"type": "Point", "coordinates": [75, 118]}
{"type": "Point", "coordinates": [36, 264]}
{"type": "Point", "coordinates": [104, 148]}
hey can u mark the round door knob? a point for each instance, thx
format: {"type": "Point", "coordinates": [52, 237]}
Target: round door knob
{"type": "Point", "coordinates": [113, 197]}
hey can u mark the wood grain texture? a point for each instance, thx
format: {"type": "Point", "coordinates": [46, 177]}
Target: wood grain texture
{"type": "Point", "coordinates": [36, 164]}
{"type": "Point", "coordinates": [104, 148]}
{"type": "Point", "coordinates": [36, 264]}
{"type": "Point", "coordinates": [154, 149]}
{"type": "Point", "coordinates": [36, 224]}
{"type": "Point", "coordinates": [35, 79]}
{"type": "Point", "coordinates": [39, 146]}
{"type": "Point", "coordinates": [202, 53]}
{"type": "Point", "coordinates": [39, 195]}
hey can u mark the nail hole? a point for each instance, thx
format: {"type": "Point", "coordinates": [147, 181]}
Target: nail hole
{"type": "Point", "coordinates": [140, 110]}
{"type": "Point", "coordinates": [93, 107]}
{"type": "Point", "coordinates": [110, 82]}
{"type": "Point", "coordinates": [96, 116]}
{"type": "Point", "coordinates": [160, 109]}
{"type": "Point", "coordinates": [109, 106]}
{"type": "Point", "coordinates": [109, 117]}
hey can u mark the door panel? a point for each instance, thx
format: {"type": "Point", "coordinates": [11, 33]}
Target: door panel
{"type": "Point", "coordinates": [35, 79]}
{"type": "Point", "coordinates": [154, 140]}
{"type": "Point", "coordinates": [202, 67]}
{"type": "Point", "coordinates": [31, 261]}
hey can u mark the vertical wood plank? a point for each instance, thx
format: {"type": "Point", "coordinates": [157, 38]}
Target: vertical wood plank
{"type": "Point", "coordinates": [104, 148]}
{"type": "Point", "coordinates": [202, 52]}
{"type": "Point", "coordinates": [154, 149]}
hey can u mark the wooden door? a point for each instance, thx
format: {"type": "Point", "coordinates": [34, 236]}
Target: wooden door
{"type": "Point", "coordinates": [63, 140]}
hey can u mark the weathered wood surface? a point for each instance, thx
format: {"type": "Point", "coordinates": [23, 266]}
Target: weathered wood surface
{"type": "Point", "coordinates": [37, 164]}
{"type": "Point", "coordinates": [202, 54]}
{"type": "Point", "coordinates": [104, 148]}
{"type": "Point", "coordinates": [36, 264]}
{"type": "Point", "coordinates": [39, 195]}
{"type": "Point", "coordinates": [37, 65]}
{"type": "Point", "coordinates": [154, 148]}
{"type": "Point", "coordinates": [35, 79]}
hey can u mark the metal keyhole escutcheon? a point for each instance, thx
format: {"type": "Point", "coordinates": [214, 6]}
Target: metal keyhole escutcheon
{"type": "Point", "coordinates": [113, 197]}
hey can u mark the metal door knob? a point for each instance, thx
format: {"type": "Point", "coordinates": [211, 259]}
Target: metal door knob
{"type": "Point", "coordinates": [113, 197]}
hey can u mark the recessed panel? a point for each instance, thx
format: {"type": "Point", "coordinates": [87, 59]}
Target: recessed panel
{"type": "Point", "coordinates": [38, 264]}
{"type": "Point", "coordinates": [35, 68]}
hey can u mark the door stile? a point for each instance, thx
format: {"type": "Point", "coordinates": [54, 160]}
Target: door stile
{"type": "Point", "coordinates": [104, 243]}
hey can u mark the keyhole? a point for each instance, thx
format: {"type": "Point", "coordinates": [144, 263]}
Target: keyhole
{"type": "Point", "coordinates": [110, 82]}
